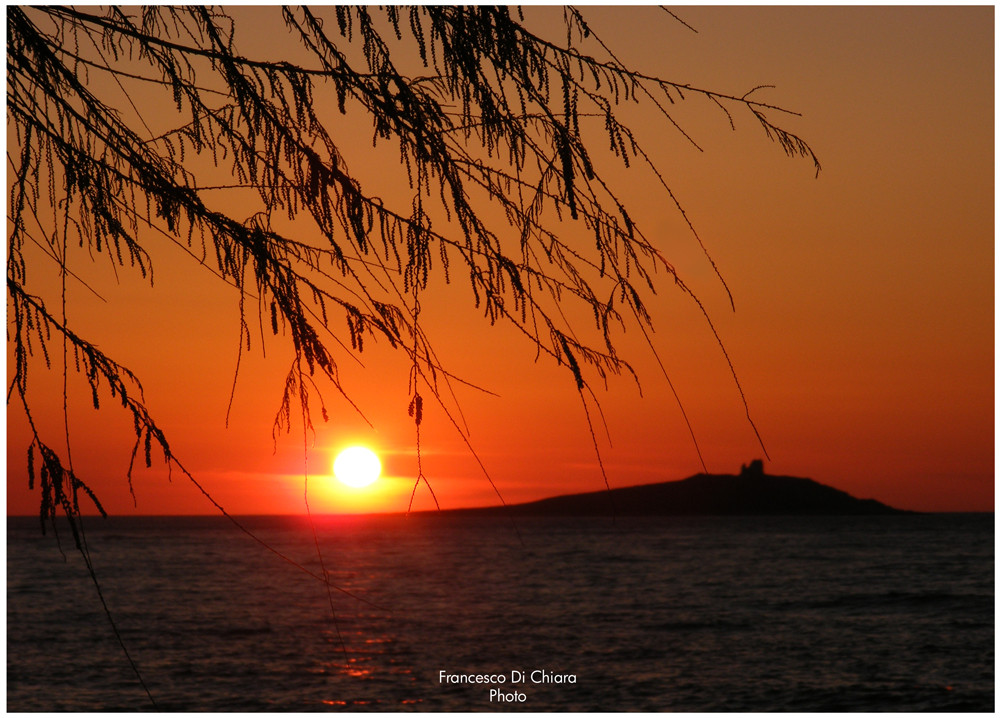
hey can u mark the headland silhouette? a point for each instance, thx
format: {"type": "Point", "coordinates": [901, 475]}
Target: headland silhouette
{"type": "Point", "coordinates": [752, 492]}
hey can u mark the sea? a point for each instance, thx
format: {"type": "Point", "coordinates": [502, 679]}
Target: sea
{"type": "Point", "coordinates": [451, 613]}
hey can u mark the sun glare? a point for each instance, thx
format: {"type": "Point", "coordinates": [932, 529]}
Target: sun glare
{"type": "Point", "coordinates": [357, 467]}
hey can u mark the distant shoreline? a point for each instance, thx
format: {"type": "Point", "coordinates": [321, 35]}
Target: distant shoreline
{"type": "Point", "coordinates": [750, 493]}
{"type": "Point", "coordinates": [449, 512]}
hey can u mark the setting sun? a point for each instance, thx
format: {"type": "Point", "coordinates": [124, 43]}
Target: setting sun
{"type": "Point", "coordinates": [357, 467]}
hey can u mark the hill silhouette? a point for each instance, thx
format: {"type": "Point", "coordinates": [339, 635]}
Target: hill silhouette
{"type": "Point", "coordinates": [749, 493]}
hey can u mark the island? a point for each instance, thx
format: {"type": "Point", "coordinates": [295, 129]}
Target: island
{"type": "Point", "coordinates": [749, 493]}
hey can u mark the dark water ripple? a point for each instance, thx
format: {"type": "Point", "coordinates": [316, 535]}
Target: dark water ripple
{"type": "Point", "coordinates": [734, 614]}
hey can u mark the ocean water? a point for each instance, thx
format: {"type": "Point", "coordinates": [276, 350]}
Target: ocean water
{"type": "Point", "coordinates": [671, 614]}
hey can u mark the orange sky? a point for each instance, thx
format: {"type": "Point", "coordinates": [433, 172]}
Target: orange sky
{"type": "Point", "coordinates": [862, 336]}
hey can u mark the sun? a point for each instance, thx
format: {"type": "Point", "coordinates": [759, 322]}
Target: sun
{"type": "Point", "coordinates": [357, 467]}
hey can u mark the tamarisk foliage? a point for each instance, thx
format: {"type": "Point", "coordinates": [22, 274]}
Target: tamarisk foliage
{"type": "Point", "coordinates": [497, 129]}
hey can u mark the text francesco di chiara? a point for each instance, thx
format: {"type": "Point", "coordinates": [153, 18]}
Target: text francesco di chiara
{"type": "Point", "coordinates": [537, 676]}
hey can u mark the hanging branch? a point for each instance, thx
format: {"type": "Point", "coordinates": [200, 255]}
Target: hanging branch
{"type": "Point", "coordinates": [484, 112]}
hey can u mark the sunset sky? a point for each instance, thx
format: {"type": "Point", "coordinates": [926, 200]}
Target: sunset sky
{"type": "Point", "coordinates": [863, 333]}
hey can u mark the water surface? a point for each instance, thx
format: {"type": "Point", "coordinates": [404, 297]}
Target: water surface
{"type": "Point", "coordinates": [891, 613]}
